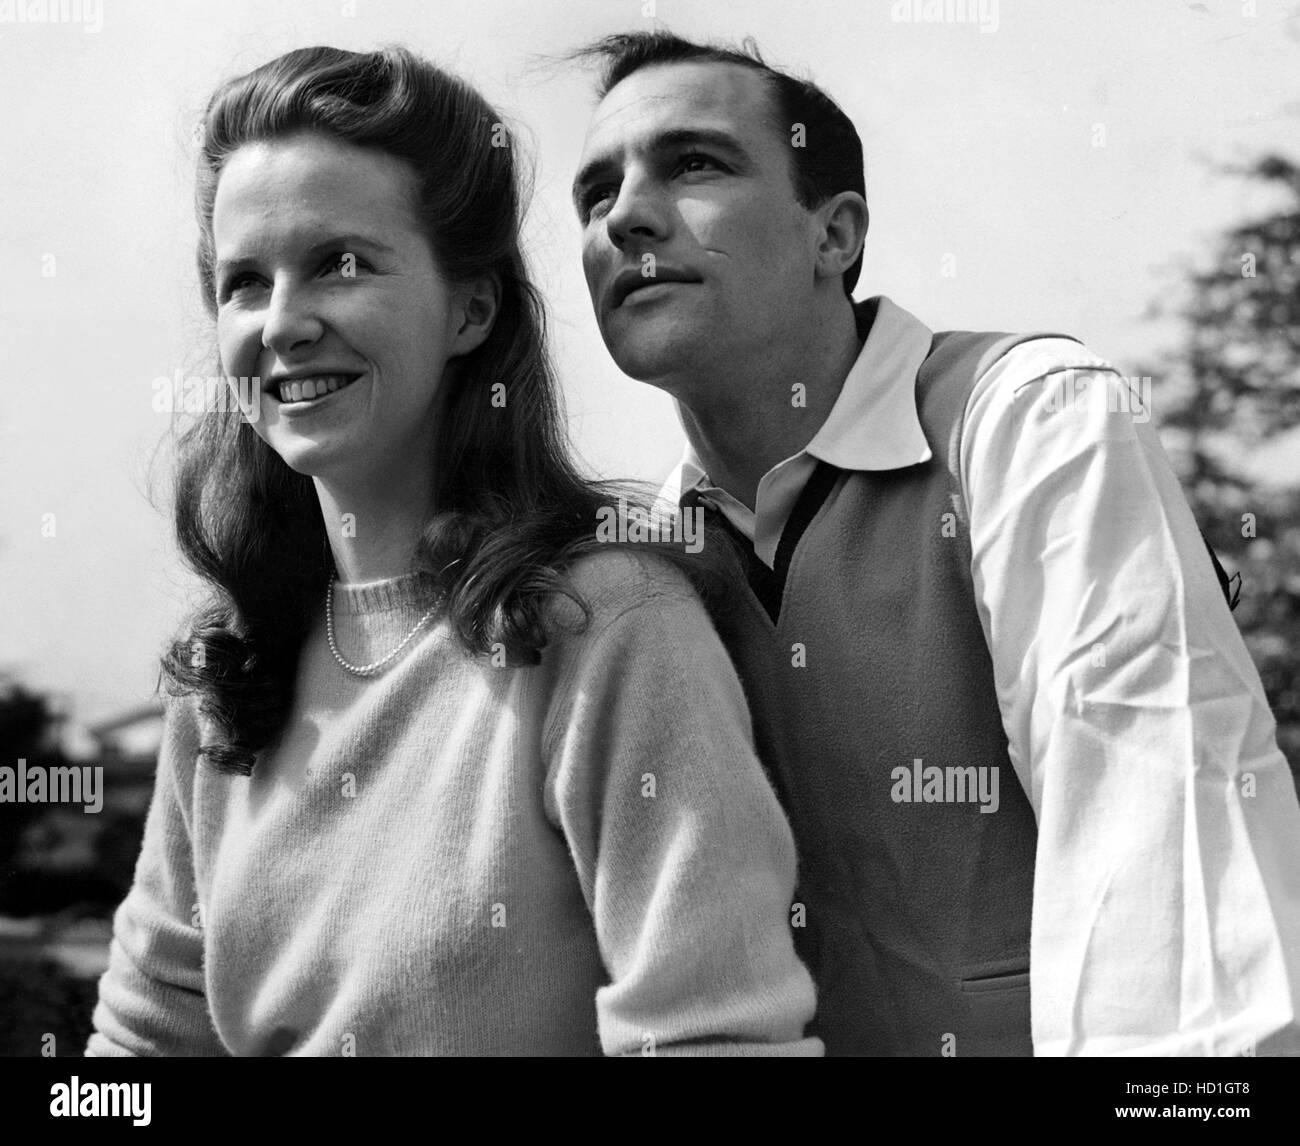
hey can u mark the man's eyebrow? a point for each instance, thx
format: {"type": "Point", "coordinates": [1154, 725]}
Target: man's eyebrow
{"type": "Point", "coordinates": [665, 141]}
{"type": "Point", "coordinates": [344, 243]}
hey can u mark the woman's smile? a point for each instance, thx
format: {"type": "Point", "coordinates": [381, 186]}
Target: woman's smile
{"type": "Point", "coordinates": [309, 391]}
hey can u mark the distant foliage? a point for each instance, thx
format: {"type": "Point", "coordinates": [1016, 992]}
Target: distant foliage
{"type": "Point", "coordinates": [1232, 386]}
{"type": "Point", "coordinates": [27, 724]}
{"type": "Point", "coordinates": [45, 1011]}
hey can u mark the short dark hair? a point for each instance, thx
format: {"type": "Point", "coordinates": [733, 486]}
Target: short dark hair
{"type": "Point", "coordinates": [830, 160]}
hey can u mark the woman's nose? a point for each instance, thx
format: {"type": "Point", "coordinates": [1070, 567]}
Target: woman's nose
{"type": "Point", "coordinates": [290, 320]}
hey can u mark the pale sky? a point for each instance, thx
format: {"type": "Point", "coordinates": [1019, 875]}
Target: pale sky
{"type": "Point", "coordinates": [1059, 156]}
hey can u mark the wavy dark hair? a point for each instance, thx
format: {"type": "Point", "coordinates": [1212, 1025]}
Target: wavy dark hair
{"type": "Point", "coordinates": [512, 509]}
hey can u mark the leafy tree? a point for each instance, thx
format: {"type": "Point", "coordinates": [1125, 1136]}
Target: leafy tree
{"type": "Point", "coordinates": [27, 725]}
{"type": "Point", "coordinates": [27, 721]}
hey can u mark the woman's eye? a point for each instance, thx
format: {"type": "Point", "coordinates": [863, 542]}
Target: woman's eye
{"type": "Point", "coordinates": [237, 283]}
{"type": "Point", "coordinates": [344, 263]}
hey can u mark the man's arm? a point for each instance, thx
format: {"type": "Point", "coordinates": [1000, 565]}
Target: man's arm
{"type": "Point", "coordinates": [1167, 884]}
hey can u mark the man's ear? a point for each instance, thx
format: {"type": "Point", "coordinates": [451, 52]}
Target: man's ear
{"type": "Point", "coordinates": [843, 220]}
{"type": "Point", "coordinates": [474, 313]}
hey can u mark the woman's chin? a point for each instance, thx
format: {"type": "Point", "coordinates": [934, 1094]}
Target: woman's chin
{"type": "Point", "coordinates": [312, 458]}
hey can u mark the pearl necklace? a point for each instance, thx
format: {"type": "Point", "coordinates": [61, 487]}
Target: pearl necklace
{"type": "Point", "coordinates": [373, 668]}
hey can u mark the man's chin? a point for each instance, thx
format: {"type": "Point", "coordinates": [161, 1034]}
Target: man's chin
{"type": "Point", "coordinates": [657, 361]}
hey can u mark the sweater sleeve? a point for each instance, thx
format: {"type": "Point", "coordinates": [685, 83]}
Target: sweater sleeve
{"type": "Point", "coordinates": [151, 998]}
{"type": "Point", "coordinates": [684, 855]}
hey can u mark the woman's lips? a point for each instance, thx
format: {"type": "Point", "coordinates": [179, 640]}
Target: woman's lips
{"type": "Point", "coordinates": [301, 391]}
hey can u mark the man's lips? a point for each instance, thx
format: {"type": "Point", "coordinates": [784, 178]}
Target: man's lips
{"type": "Point", "coordinates": [631, 282]}
{"type": "Point", "coordinates": [650, 292]}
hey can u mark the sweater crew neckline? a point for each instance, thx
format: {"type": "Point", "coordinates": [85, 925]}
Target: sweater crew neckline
{"type": "Point", "coordinates": [407, 593]}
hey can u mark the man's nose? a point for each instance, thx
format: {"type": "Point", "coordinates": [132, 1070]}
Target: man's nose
{"type": "Point", "coordinates": [291, 320]}
{"type": "Point", "coordinates": [639, 215]}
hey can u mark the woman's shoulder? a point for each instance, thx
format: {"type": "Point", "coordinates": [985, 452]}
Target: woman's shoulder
{"type": "Point", "coordinates": [645, 634]}
{"type": "Point", "coordinates": [613, 581]}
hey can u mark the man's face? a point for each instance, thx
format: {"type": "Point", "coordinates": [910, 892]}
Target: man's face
{"type": "Point", "coordinates": [697, 254]}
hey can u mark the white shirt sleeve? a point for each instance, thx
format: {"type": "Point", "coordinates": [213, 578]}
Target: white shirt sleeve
{"type": "Point", "coordinates": [1166, 917]}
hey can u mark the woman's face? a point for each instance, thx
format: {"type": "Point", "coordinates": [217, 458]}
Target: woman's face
{"type": "Point", "coordinates": [326, 285]}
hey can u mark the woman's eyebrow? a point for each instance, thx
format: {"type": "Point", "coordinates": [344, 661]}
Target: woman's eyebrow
{"type": "Point", "coordinates": [318, 247]}
{"type": "Point", "coordinates": [346, 242]}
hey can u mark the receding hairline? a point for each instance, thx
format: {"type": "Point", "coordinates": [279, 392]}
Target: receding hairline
{"type": "Point", "coordinates": [767, 78]}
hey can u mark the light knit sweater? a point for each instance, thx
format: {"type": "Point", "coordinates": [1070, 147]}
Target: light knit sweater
{"type": "Point", "coordinates": [460, 858]}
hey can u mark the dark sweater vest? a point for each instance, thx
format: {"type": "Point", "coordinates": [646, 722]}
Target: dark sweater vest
{"type": "Point", "coordinates": [915, 915]}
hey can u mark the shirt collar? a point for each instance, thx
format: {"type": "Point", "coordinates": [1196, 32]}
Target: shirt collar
{"type": "Point", "coordinates": [874, 424]}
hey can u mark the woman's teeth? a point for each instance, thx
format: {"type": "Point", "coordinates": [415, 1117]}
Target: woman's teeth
{"type": "Point", "coordinates": [305, 389]}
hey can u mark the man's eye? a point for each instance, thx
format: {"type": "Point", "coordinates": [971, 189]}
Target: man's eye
{"type": "Point", "coordinates": [695, 162]}
{"type": "Point", "coordinates": [593, 197]}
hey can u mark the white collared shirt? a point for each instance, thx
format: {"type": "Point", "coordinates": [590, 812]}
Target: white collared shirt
{"type": "Point", "coordinates": [1167, 879]}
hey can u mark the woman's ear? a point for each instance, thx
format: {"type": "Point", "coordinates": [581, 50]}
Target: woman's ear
{"type": "Point", "coordinates": [476, 310]}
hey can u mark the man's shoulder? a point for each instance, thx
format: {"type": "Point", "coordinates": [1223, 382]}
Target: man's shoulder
{"type": "Point", "coordinates": [1053, 396]}
{"type": "Point", "coordinates": [1025, 355]}
{"type": "Point", "coordinates": [1058, 371]}
{"type": "Point", "coordinates": [987, 370]}
{"type": "Point", "coordinates": [1036, 356]}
